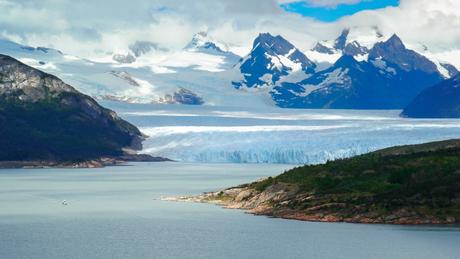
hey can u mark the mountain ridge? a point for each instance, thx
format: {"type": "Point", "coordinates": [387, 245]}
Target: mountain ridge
{"type": "Point", "coordinates": [391, 77]}
{"type": "Point", "coordinates": [439, 101]}
{"type": "Point", "coordinates": [44, 119]}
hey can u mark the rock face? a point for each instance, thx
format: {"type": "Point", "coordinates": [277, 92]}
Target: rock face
{"type": "Point", "coordinates": [355, 49]}
{"type": "Point", "coordinates": [452, 70]}
{"type": "Point", "coordinates": [271, 58]}
{"type": "Point", "coordinates": [42, 118]}
{"type": "Point", "coordinates": [341, 42]}
{"type": "Point", "coordinates": [393, 52]}
{"type": "Point", "coordinates": [400, 185]}
{"type": "Point", "coordinates": [348, 44]}
{"type": "Point", "coordinates": [391, 77]}
{"type": "Point", "coordinates": [125, 76]}
{"type": "Point", "coordinates": [439, 101]}
{"type": "Point", "coordinates": [182, 96]}
{"type": "Point", "coordinates": [124, 59]}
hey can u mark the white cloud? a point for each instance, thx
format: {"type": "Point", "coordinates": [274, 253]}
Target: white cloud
{"type": "Point", "coordinates": [87, 28]}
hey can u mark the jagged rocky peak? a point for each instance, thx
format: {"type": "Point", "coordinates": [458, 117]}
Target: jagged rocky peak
{"type": "Point", "coordinates": [202, 41]}
{"type": "Point", "coordinates": [395, 43]}
{"type": "Point", "coordinates": [321, 47]}
{"type": "Point", "coordinates": [351, 41]}
{"type": "Point", "coordinates": [354, 49]}
{"type": "Point", "coordinates": [394, 51]}
{"type": "Point", "coordinates": [271, 45]}
{"type": "Point", "coordinates": [271, 58]}
{"type": "Point", "coordinates": [341, 41]}
{"type": "Point", "coordinates": [346, 61]}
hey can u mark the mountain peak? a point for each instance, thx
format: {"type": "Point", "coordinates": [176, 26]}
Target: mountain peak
{"type": "Point", "coordinates": [395, 41]}
{"type": "Point", "coordinates": [341, 41]}
{"type": "Point", "coordinates": [202, 40]}
{"type": "Point", "coordinates": [271, 58]}
{"type": "Point", "coordinates": [265, 35]}
{"type": "Point", "coordinates": [393, 51]}
{"type": "Point", "coordinates": [274, 45]}
{"type": "Point", "coordinates": [346, 61]}
{"type": "Point", "coordinates": [267, 40]}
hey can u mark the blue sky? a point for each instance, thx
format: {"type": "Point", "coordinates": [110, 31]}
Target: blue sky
{"type": "Point", "coordinates": [330, 14]}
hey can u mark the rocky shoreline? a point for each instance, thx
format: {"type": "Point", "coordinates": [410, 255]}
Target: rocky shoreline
{"type": "Point", "coordinates": [276, 201]}
{"type": "Point", "coordinates": [93, 163]}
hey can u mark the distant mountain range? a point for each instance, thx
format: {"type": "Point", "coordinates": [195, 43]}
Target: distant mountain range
{"type": "Point", "coordinates": [390, 78]}
{"type": "Point", "coordinates": [361, 69]}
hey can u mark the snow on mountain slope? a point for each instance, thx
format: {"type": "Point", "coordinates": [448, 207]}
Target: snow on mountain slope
{"type": "Point", "coordinates": [358, 41]}
{"type": "Point", "coordinates": [202, 42]}
{"type": "Point", "coordinates": [147, 80]}
{"type": "Point", "coordinates": [206, 72]}
{"type": "Point", "coordinates": [271, 58]}
{"type": "Point", "coordinates": [390, 78]}
{"type": "Point", "coordinates": [202, 53]}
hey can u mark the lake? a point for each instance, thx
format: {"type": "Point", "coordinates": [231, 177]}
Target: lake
{"type": "Point", "coordinates": [116, 212]}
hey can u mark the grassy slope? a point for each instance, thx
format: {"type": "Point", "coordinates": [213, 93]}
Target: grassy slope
{"type": "Point", "coordinates": [423, 179]}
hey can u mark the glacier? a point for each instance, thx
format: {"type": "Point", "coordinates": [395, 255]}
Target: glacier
{"type": "Point", "coordinates": [218, 134]}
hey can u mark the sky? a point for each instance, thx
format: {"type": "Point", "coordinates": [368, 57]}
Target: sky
{"type": "Point", "coordinates": [98, 27]}
{"type": "Point", "coordinates": [329, 11]}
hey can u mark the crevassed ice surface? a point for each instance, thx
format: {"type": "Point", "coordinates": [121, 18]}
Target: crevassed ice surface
{"type": "Point", "coordinates": [273, 135]}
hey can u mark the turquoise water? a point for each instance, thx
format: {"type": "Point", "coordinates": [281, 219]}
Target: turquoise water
{"type": "Point", "coordinates": [115, 212]}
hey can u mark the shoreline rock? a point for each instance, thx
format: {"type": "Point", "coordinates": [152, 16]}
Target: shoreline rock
{"type": "Point", "coordinates": [274, 202]}
{"type": "Point", "coordinates": [93, 163]}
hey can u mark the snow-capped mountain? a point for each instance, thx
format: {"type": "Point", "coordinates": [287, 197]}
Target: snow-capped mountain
{"type": "Point", "coordinates": [202, 42]}
{"type": "Point", "coordinates": [147, 80]}
{"type": "Point", "coordinates": [391, 77]}
{"type": "Point", "coordinates": [394, 53]}
{"type": "Point", "coordinates": [271, 58]}
{"type": "Point", "coordinates": [202, 53]}
{"type": "Point", "coordinates": [358, 42]}
{"type": "Point", "coordinates": [353, 42]}
{"type": "Point", "coordinates": [344, 44]}
{"type": "Point", "coordinates": [367, 70]}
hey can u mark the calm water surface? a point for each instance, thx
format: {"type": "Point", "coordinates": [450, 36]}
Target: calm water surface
{"type": "Point", "coordinates": [115, 212]}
